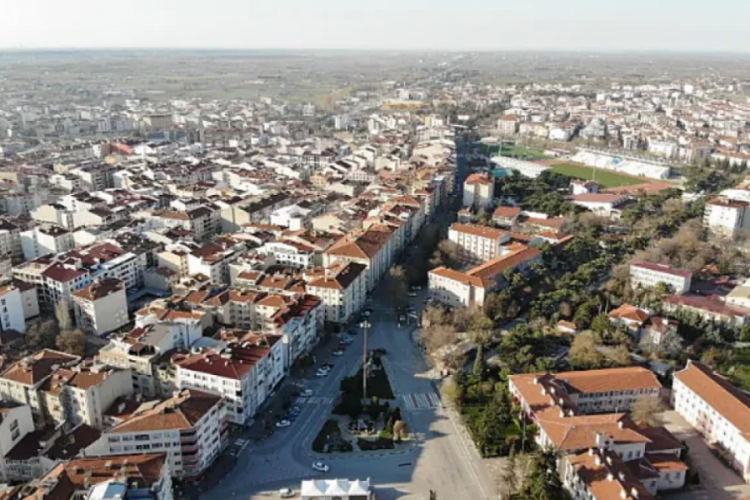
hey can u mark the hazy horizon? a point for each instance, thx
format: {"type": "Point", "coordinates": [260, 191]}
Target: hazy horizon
{"type": "Point", "coordinates": [408, 25]}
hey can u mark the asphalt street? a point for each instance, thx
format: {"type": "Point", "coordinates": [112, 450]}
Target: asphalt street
{"type": "Point", "coordinates": [441, 459]}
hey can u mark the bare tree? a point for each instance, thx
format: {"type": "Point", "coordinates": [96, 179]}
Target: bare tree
{"type": "Point", "coordinates": [646, 411]}
{"type": "Point", "coordinates": [62, 313]}
{"type": "Point", "coordinates": [72, 342]}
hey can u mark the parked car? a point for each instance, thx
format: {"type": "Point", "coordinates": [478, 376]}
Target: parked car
{"type": "Point", "coordinates": [338, 352]}
{"type": "Point", "coordinates": [320, 467]}
{"type": "Point", "coordinates": [322, 373]}
{"type": "Point", "coordinates": [283, 423]}
{"type": "Point", "coordinates": [412, 294]}
{"type": "Point", "coordinates": [286, 493]}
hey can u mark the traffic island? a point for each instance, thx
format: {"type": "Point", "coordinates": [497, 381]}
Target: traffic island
{"type": "Point", "coordinates": [365, 424]}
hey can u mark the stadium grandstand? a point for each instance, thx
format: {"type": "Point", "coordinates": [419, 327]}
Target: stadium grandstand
{"type": "Point", "coordinates": [626, 164]}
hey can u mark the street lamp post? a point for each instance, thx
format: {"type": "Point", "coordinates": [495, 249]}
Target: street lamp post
{"type": "Point", "coordinates": [366, 325]}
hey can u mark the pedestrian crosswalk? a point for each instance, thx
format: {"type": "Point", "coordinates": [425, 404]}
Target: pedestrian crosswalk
{"type": "Point", "coordinates": [421, 401]}
{"type": "Point", "coordinates": [313, 401]}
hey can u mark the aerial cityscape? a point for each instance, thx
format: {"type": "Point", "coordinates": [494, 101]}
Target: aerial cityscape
{"type": "Point", "coordinates": [241, 269]}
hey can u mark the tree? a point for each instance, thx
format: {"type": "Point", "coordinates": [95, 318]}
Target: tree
{"type": "Point", "coordinates": [399, 430]}
{"type": "Point", "coordinates": [543, 480]}
{"type": "Point", "coordinates": [398, 287]}
{"type": "Point", "coordinates": [489, 433]}
{"type": "Point", "coordinates": [645, 411]}
{"type": "Point", "coordinates": [584, 354]}
{"type": "Point", "coordinates": [62, 313]}
{"type": "Point", "coordinates": [42, 335]}
{"type": "Point", "coordinates": [601, 324]}
{"type": "Point", "coordinates": [452, 392]}
{"type": "Point", "coordinates": [72, 342]}
{"type": "Point", "coordinates": [510, 474]}
{"type": "Point", "coordinates": [478, 369]}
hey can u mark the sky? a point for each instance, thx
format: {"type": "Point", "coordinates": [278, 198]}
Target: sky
{"type": "Point", "coordinates": [591, 25]}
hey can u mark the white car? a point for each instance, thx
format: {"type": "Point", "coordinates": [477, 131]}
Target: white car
{"type": "Point", "coordinates": [321, 373]}
{"type": "Point", "coordinates": [283, 423]}
{"type": "Point", "coordinates": [338, 353]}
{"type": "Point", "coordinates": [286, 493]}
{"type": "Point", "coordinates": [307, 393]}
{"type": "Point", "coordinates": [320, 467]}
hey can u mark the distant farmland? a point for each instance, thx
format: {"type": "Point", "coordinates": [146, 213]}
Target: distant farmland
{"type": "Point", "coordinates": [606, 178]}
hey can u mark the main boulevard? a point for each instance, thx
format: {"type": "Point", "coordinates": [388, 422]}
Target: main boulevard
{"type": "Point", "coordinates": [440, 459]}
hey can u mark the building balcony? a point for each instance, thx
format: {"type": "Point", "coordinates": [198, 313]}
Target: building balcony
{"type": "Point", "coordinates": [189, 449]}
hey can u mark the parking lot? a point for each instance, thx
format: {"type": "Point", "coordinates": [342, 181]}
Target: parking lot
{"type": "Point", "coordinates": [717, 481]}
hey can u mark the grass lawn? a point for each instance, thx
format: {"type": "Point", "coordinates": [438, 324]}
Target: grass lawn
{"type": "Point", "coordinates": [604, 177]}
{"type": "Point", "coordinates": [523, 153]}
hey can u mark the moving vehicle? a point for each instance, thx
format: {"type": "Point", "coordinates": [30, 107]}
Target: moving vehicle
{"type": "Point", "coordinates": [320, 467]}
{"type": "Point", "coordinates": [286, 493]}
{"type": "Point", "coordinates": [307, 393]}
{"type": "Point", "coordinates": [283, 423]}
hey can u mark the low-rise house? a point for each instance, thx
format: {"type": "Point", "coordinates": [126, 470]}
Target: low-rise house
{"type": "Point", "coordinates": [629, 316]}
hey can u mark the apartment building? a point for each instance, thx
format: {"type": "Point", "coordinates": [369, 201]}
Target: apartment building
{"type": "Point", "coordinates": [716, 409]}
{"type": "Point", "coordinates": [479, 191]}
{"type": "Point", "coordinates": [143, 475]}
{"type": "Point", "coordinates": [244, 373]}
{"type": "Point", "coordinates": [101, 307]}
{"type": "Point", "coordinates": [342, 289]}
{"type": "Point", "coordinates": [213, 260]}
{"type": "Point", "coordinates": [22, 381]}
{"type": "Point", "coordinates": [726, 217]}
{"type": "Point", "coordinates": [289, 253]}
{"type": "Point", "coordinates": [10, 240]}
{"type": "Point", "coordinates": [373, 247]}
{"type": "Point", "coordinates": [143, 351]}
{"type": "Point", "coordinates": [190, 427]}
{"type": "Point", "coordinates": [81, 395]}
{"type": "Point", "coordinates": [16, 421]}
{"type": "Point", "coordinates": [648, 275]}
{"type": "Point", "coordinates": [11, 309]}
{"type": "Point", "coordinates": [478, 243]}
{"type": "Point", "coordinates": [20, 203]}
{"type": "Point", "coordinates": [45, 240]}
{"type": "Point", "coordinates": [58, 277]}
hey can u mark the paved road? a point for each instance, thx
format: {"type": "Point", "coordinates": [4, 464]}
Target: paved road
{"type": "Point", "coordinates": [442, 459]}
